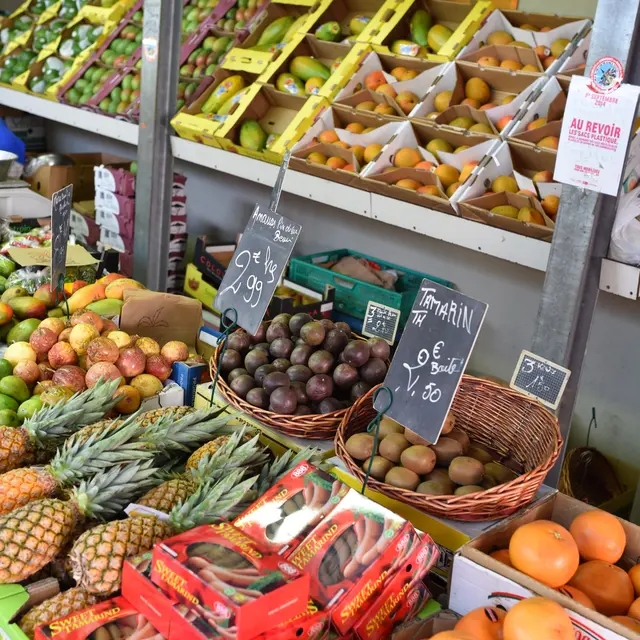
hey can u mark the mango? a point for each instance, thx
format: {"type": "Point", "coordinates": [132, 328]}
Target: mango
{"type": "Point", "coordinates": [421, 22]}
{"type": "Point", "coordinates": [50, 298]}
{"type": "Point", "coordinates": [503, 210]}
{"type": "Point", "coordinates": [306, 67]}
{"type": "Point", "coordinates": [276, 31]}
{"type": "Point", "coordinates": [108, 307]}
{"type": "Point", "coordinates": [228, 104]}
{"type": "Point", "coordinates": [438, 36]}
{"type": "Point", "coordinates": [288, 83]}
{"type": "Point", "coordinates": [313, 85]}
{"type": "Point", "coordinates": [358, 24]}
{"type": "Point", "coordinates": [7, 402]}
{"type": "Point", "coordinates": [29, 407]}
{"type": "Point", "coordinates": [227, 88]}
{"type": "Point", "coordinates": [6, 368]}
{"type": "Point", "coordinates": [9, 418]}
{"type": "Point", "coordinates": [108, 279]}
{"type": "Point", "coordinates": [14, 292]}
{"type": "Point", "coordinates": [22, 331]}
{"type": "Point", "coordinates": [329, 31]}
{"type": "Point", "coordinates": [28, 307]}
{"type": "Point", "coordinates": [252, 136]}
{"type": "Point", "coordinates": [81, 298]}
{"type": "Point", "coordinates": [55, 313]}
{"type": "Point", "coordinates": [7, 266]}
{"type": "Point", "coordinates": [116, 289]}
{"type": "Point", "coordinates": [6, 313]}
{"type": "Point", "coordinates": [15, 388]}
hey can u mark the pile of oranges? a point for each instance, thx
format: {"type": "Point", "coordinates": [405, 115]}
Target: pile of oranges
{"type": "Point", "coordinates": [362, 154]}
{"type": "Point", "coordinates": [550, 203]}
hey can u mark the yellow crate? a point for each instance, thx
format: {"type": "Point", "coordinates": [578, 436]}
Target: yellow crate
{"type": "Point", "coordinates": [102, 15]}
{"type": "Point", "coordinates": [196, 287]}
{"type": "Point", "coordinates": [394, 24]}
{"type": "Point", "coordinates": [21, 9]}
{"type": "Point", "coordinates": [17, 42]}
{"type": "Point", "coordinates": [50, 12]}
{"type": "Point", "coordinates": [278, 113]}
{"type": "Point", "coordinates": [109, 27]}
{"type": "Point", "coordinates": [51, 93]}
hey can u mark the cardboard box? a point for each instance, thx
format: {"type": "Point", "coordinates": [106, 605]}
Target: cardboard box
{"type": "Point", "coordinates": [115, 224]}
{"type": "Point", "coordinates": [575, 63]}
{"type": "Point", "coordinates": [502, 52]}
{"type": "Point", "coordinates": [550, 103]}
{"type": "Point", "coordinates": [188, 376]}
{"type": "Point", "coordinates": [314, 624]}
{"type": "Point", "coordinates": [123, 244]}
{"type": "Point", "coordinates": [94, 12]}
{"type": "Point", "coordinates": [124, 206]}
{"type": "Point", "coordinates": [423, 629]}
{"type": "Point", "coordinates": [280, 519]}
{"type": "Point", "coordinates": [171, 396]}
{"type": "Point", "coordinates": [479, 580]}
{"type": "Point", "coordinates": [84, 228]}
{"type": "Point", "coordinates": [198, 568]}
{"type": "Point", "coordinates": [212, 260]}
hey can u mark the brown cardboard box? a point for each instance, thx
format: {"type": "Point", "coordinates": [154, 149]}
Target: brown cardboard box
{"type": "Point", "coordinates": [48, 180]}
{"type": "Point", "coordinates": [505, 52]}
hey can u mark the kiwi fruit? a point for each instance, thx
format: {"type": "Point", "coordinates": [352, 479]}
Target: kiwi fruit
{"type": "Point", "coordinates": [392, 446]}
{"type": "Point", "coordinates": [255, 359]}
{"type": "Point", "coordinates": [321, 361]}
{"type": "Point", "coordinates": [274, 380]}
{"type": "Point", "coordinates": [465, 470]}
{"type": "Point", "coordinates": [301, 354]}
{"type": "Point", "coordinates": [418, 458]}
{"type": "Point", "coordinates": [281, 347]}
{"type": "Point", "coordinates": [329, 405]}
{"type": "Point", "coordinates": [236, 373]}
{"type": "Point", "coordinates": [301, 392]}
{"type": "Point", "coordinates": [298, 321]}
{"type": "Point", "coordinates": [461, 437]}
{"type": "Point", "coordinates": [231, 359]}
{"type": "Point", "coordinates": [258, 398]}
{"type": "Point", "coordinates": [435, 488]}
{"type": "Point", "coordinates": [414, 438]}
{"type": "Point", "coordinates": [313, 333]}
{"type": "Point", "coordinates": [239, 340]}
{"type": "Point", "coordinates": [379, 467]}
{"type": "Point", "coordinates": [388, 425]}
{"type": "Point", "coordinates": [359, 389]}
{"type": "Point", "coordinates": [299, 373]}
{"type": "Point", "coordinates": [242, 385]}
{"type": "Point", "coordinates": [281, 364]}
{"type": "Point", "coordinates": [343, 326]}
{"type": "Point", "coordinates": [499, 472]}
{"type": "Point", "coordinates": [277, 330]}
{"type": "Point", "coordinates": [446, 449]}
{"type": "Point", "coordinates": [319, 386]}
{"type": "Point", "coordinates": [262, 371]}
{"type": "Point", "coordinates": [476, 451]}
{"type": "Point", "coordinates": [283, 400]}
{"type": "Point", "coordinates": [379, 348]}
{"type": "Point", "coordinates": [345, 376]}
{"type": "Point", "coordinates": [449, 423]}
{"type": "Point", "coordinates": [467, 489]}
{"type": "Point", "coordinates": [440, 475]}
{"type": "Point", "coordinates": [356, 353]}
{"type": "Point", "coordinates": [373, 371]}
{"type": "Point", "coordinates": [402, 478]}
{"type": "Point", "coordinates": [360, 446]}
{"type": "Point", "coordinates": [335, 341]}
{"type": "Point", "coordinates": [489, 482]}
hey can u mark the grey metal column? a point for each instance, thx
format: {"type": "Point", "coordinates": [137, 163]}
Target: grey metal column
{"type": "Point", "coordinates": [161, 47]}
{"type": "Point", "coordinates": [582, 234]}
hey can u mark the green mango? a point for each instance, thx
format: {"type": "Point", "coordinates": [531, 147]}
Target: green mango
{"type": "Point", "coordinates": [22, 331]}
{"type": "Point", "coordinates": [329, 31]}
{"type": "Point", "coordinates": [15, 387]}
{"type": "Point", "coordinates": [6, 368]}
{"type": "Point", "coordinates": [14, 292]}
{"type": "Point", "coordinates": [9, 418]}
{"type": "Point", "coordinates": [252, 136]}
{"type": "Point", "coordinates": [29, 407]}
{"type": "Point", "coordinates": [8, 403]}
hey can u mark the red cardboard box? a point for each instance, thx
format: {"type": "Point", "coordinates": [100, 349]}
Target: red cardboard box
{"type": "Point", "coordinates": [351, 555]}
{"type": "Point", "coordinates": [281, 519]}
{"type": "Point", "coordinates": [313, 624]}
{"type": "Point", "coordinates": [116, 617]}
{"type": "Point", "coordinates": [221, 569]}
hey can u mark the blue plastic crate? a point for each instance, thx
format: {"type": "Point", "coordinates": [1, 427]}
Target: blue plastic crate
{"type": "Point", "coordinates": [352, 296]}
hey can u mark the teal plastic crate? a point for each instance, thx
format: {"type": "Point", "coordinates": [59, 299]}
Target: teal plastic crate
{"type": "Point", "coordinates": [352, 296]}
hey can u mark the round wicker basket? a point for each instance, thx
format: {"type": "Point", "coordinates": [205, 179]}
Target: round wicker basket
{"type": "Point", "coordinates": [506, 421]}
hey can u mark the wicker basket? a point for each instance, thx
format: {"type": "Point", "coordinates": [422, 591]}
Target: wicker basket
{"type": "Point", "coordinates": [506, 421]}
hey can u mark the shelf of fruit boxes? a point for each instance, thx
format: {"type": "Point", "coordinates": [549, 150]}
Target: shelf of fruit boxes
{"type": "Point", "coordinates": [619, 279]}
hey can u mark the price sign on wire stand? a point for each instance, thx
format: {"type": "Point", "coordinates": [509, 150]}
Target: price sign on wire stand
{"type": "Point", "coordinates": [540, 379]}
{"type": "Point", "coordinates": [259, 261]}
{"type": "Point", "coordinates": [60, 219]}
{"type": "Point", "coordinates": [431, 357]}
{"type": "Point", "coordinates": [381, 321]}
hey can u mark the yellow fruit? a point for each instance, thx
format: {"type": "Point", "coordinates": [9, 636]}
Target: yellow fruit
{"type": "Point", "coordinates": [522, 45]}
{"type": "Point", "coordinates": [335, 162]}
{"type": "Point", "coordinates": [387, 90]}
{"type": "Point", "coordinates": [477, 89]}
{"type": "Point", "coordinates": [550, 205]}
{"type": "Point", "coordinates": [452, 188]}
{"type": "Point", "coordinates": [436, 145]}
{"type": "Point", "coordinates": [530, 68]}
{"type": "Point", "coordinates": [328, 136]}
{"type": "Point", "coordinates": [358, 152]}
{"type": "Point", "coordinates": [488, 61]}
{"type": "Point", "coordinates": [471, 103]}
{"type": "Point", "coordinates": [355, 127]}
{"type": "Point", "coordinates": [407, 101]}
{"type": "Point", "coordinates": [371, 152]}
{"type": "Point", "coordinates": [442, 101]}
{"type": "Point", "coordinates": [117, 288]}
{"type": "Point", "coordinates": [431, 190]}
{"type": "Point", "coordinates": [433, 115]}
{"type": "Point", "coordinates": [512, 65]}
{"type": "Point", "coordinates": [448, 175]}
{"type": "Point", "coordinates": [317, 158]}
{"type": "Point", "coordinates": [504, 183]}
{"type": "Point", "coordinates": [366, 105]}
{"type": "Point", "coordinates": [508, 99]}
{"type": "Point", "coordinates": [461, 148]}
{"type": "Point", "coordinates": [407, 157]}
{"type": "Point", "coordinates": [529, 27]}
{"type": "Point", "coordinates": [467, 170]}
{"type": "Point", "coordinates": [550, 142]}
{"type": "Point", "coordinates": [462, 122]}
{"type": "Point", "coordinates": [384, 109]}
{"type": "Point", "coordinates": [506, 210]}
{"type": "Point", "coordinates": [438, 36]}
{"type": "Point", "coordinates": [559, 46]}
{"type": "Point", "coordinates": [408, 183]}
{"type": "Point", "coordinates": [499, 37]}
{"type": "Point", "coordinates": [527, 214]}
{"type": "Point", "coordinates": [480, 127]}
{"type": "Point", "coordinates": [538, 122]}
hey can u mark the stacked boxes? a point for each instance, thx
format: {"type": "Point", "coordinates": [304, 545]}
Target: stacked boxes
{"type": "Point", "coordinates": [115, 214]}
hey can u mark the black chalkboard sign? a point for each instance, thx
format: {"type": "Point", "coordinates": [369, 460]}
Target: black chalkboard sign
{"type": "Point", "coordinates": [257, 264]}
{"type": "Point", "coordinates": [381, 321]}
{"type": "Point", "coordinates": [431, 357]}
{"type": "Point", "coordinates": [61, 202]}
{"type": "Point", "coordinates": [540, 378]}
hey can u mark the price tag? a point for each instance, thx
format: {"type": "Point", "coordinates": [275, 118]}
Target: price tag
{"type": "Point", "coordinates": [431, 357]}
{"type": "Point", "coordinates": [540, 379]}
{"type": "Point", "coordinates": [381, 321]}
{"type": "Point", "coordinates": [60, 220]}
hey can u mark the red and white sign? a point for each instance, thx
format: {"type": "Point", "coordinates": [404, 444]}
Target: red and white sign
{"type": "Point", "coordinates": [596, 129]}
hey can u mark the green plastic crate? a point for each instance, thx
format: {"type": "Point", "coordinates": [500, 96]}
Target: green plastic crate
{"type": "Point", "coordinates": [352, 296]}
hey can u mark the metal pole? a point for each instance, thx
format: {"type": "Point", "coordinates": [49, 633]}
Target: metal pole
{"type": "Point", "coordinates": [161, 48]}
{"type": "Point", "coordinates": [581, 237]}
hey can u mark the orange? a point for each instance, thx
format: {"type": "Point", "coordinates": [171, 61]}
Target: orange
{"type": "Point", "coordinates": [425, 165]}
{"type": "Point", "coordinates": [634, 575]}
{"type": "Point", "coordinates": [374, 80]}
{"type": "Point", "coordinates": [448, 175]}
{"type": "Point", "coordinates": [627, 621]}
{"type": "Point", "coordinates": [634, 609]}
{"type": "Point", "coordinates": [358, 152]}
{"type": "Point", "coordinates": [335, 162]}
{"type": "Point", "coordinates": [488, 61]}
{"type": "Point", "coordinates": [545, 551]}
{"type": "Point", "coordinates": [484, 623]}
{"type": "Point", "coordinates": [608, 586]}
{"type": "Point", "coordinates": [371, 151]}
{"type": "Point", "coordinates": [355, 127]}
{"type": "Point", "coordinates": [537, 619]}
{"type": "Point", "coordinates": [550, 204]}
{"type": "Point", "coordinates": [471, 102]}
{"type": "Point", "coordinates": [387, 90]}
{"type": "Point", "coordinates": [577, 595]}
{"type": "Point", "coordinates": [366, 105]}
{"type": "Point", "coordinates": [502, 555]}
{"type": "Point", "coordinates": [503, 122]}
{"type": "Point", "coordinates": [430, 189]}
{"type": "Point", "coordinates": [512, 65]}
{"type": "Point", "coordinates": [477, 89]}
{"type": "Point", "coordinates": [407, 157]}
{"type": "Point", "coordinates": [328, 136]}
{"type": "Point", "coordinates": [599, 536]}
{"type": "Point", "coordinates": [408, 183]}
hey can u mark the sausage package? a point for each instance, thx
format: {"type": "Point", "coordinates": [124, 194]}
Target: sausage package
{"type": "Point", "coordinates": [351, 556]}
{"type": "Point", "coordinates": [313, 624]}
{"type": "Point", "coordinates": [281, 519]}
{"type": "Point", "coordinates": [108, 620]}
{"type": "Point", "coordinates": [405, 594]}
{"type": "Point", "coordinates": [227, 578]}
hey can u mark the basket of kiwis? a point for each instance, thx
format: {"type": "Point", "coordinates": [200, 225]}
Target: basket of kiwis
{"type": "Point", "coordinates": [495, 449]}
{"type": "Point", "coordinates": [298, 375]}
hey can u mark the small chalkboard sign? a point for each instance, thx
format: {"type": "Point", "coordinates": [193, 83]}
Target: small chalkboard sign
{"type": "Point", "coordinates": [540, 379]}
{"type": "Point", "coordinates": [61, 202]}
{"type": "Point", "coordinates": [381, 321]}
{"type": "Point", "coordinates": [257, 264]}
{"type": "Point", "coordinates": [431, 357]}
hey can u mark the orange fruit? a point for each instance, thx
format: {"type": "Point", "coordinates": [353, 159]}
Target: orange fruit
{"type": "Point", "coordinates": [471, 102]}
{"type": "Point", "coordinates": [577, 595]}
{"type": "Point", "coordinates": [502, 555]}
{"type": "Point", "coordinates": [545, 551]}
{"type": "Point", "coordinates": [608, 586]}
{"type": "Point", "coordinates": [374, 80]}
{"type": "Point", "coordinates": [512, 65]}
{"type": "Point", "coordinates": [488, 61]}
{"type": "Point", "coordinates": [355, 127]}
{"type": "Point", "coordinates": [431, 190]}
{"type": "Point", "coordinates": [335, 162]}
{"type": "Point", "coordinates": [387, 90]}
{"type": "Point", "coordinates": [408, 183]}
{"type": "Point", "coordinates": [407, 157]}
{"type": "Point", "coordinates": [317, 158]}
{"type": "Point", "coordinates": [425, 165]}
{"type": "Point", "coordinates": [628, 621]}
{"type": "Point", "coordinates": [537, 619]}
{"type": "Point", "coordinates": [634, 575]}
{"type": "Point", "coordinates": [634, 609]}
{"type": "Point", "coordinates": [371, 151]}
{"type": "Point", "coordinates": [448, 175]}
{"type": "Point", "coordinates": [477, 89]}
{"type": "Point", "coordinates": [550, 205]}
{"type": "Point", "coordinates": [328, 136]}
{"type": "Point", "coordinates": [484, 623]}
{"type": "Point", "coordinates": [503, 122]}
{"type": "Point", "coordinates": [599, 536]}
{"type": "Point", "coordinates": [384, 109]}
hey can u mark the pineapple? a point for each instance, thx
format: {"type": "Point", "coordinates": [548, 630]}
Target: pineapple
{"type": "Point", "coordinates": [33, 535]}
{"type": "Point", "coordinates": [51, 425]}
{"type": "Point", "coordinates": [270, 474]}
{"type": "Point", "coordinates": [98, 554]}
{"type": "Point", "coordinates": [61, 605]}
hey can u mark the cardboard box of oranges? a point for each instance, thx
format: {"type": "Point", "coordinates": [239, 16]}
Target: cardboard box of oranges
{"type": "Point", "coordinates": [507, 58]}
{"type": "Point", "coordinates": [560, 548]}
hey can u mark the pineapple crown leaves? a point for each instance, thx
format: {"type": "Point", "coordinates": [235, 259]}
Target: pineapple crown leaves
{"type": "Point", "coordinates": [270, 474]}
{"type": "Point", "coordinates": [81, 457]}
{"type": "Point", "coordinates": [106, 494]}
{"type": "Point", "coordinates": [211, 501]}
{"type": "Point", "coordinates": [64, 418]}
{"type": "Point", "coordinates": [231, 456]}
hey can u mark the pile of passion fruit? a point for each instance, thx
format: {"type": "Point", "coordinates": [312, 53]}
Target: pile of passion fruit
{"type": "Point", "coordinates": [296, 365]}
{"type": "Point", "coordinates": [453, 466]}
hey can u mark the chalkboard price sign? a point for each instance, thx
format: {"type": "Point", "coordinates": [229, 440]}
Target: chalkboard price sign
{"type": "Point", "coordinates": [61, 202]}
{"type": "Point", "coordinates": [431, 357]}
{"type": "Point", "coordinates": [256, 267]}
{"type": "Point", "coordinates": [381, 321]}
{"type": "Point", "coordinates": [540, 379]}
